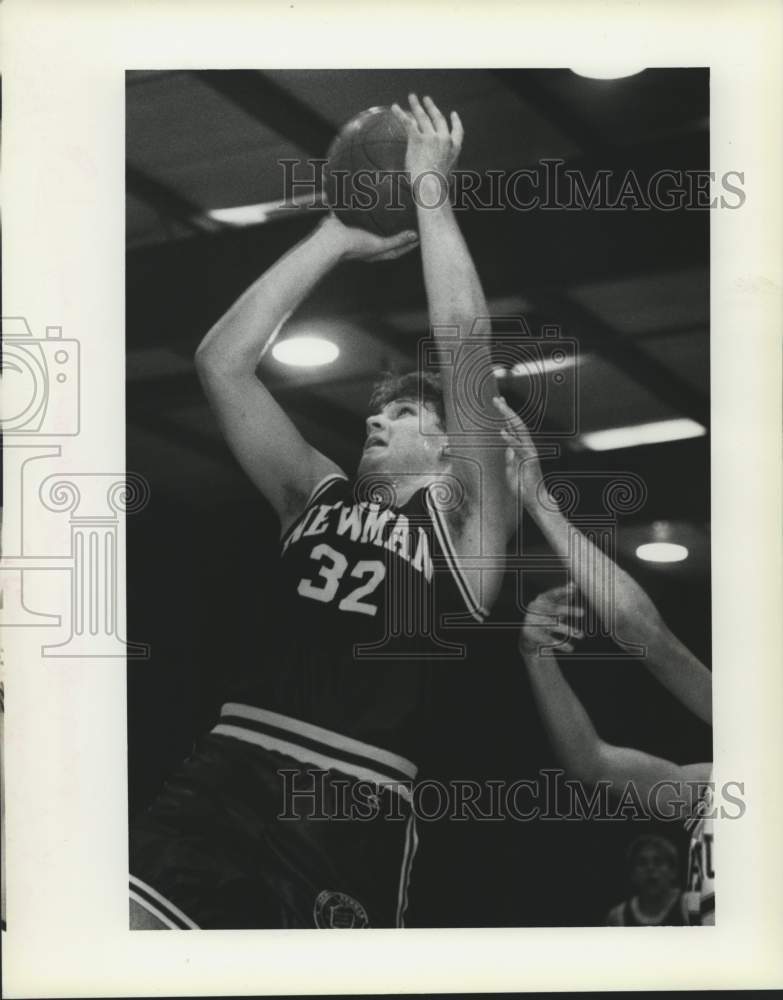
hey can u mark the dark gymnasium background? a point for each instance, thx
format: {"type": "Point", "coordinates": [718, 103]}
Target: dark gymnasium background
{"type": "Point", "coordinates": [630, 287]}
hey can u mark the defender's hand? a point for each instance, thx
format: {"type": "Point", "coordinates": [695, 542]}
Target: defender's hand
{"type": "Point", "coordinates": [558, 604]}
{"type": "Point", "coordinates": [358, 244]}
{"type": "Point", "coordinates": [520, 454]}
{"type": "Point", "coordinates": [433, 146]}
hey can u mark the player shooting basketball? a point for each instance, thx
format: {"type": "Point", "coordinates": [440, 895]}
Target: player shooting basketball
{"type": "Point", "coordinates": [583, 753]}
{"type": "Point", "coordinates": [367, 572]}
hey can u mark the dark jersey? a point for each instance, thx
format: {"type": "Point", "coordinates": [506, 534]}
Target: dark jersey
{"type": "Point", "coordinates": [372, 613]}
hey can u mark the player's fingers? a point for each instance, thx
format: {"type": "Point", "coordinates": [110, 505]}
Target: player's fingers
{"type": "Point", "coordinates": [405, 118]}
{"type": "Point", "coordinates": [439, 122]}
{"type": "Point", "coordinates": [556, 595]}
{"type": "Point", "coordinates": [500, 403]}
{"type": "Point", "coordinates": [560, 627]}
{"type": "Point", "coordinates": [513, 420]}
{"type": "Point", "coordinates": [457, 131]}
{"type": "Point", "coordinates": [402, 239]}
{"type": "Point", "coordinates": [399, 252]}
{"type": "Point", "coordinates": [395, 246]}
{"type": "Point", "coordinates": [515, 426]}
{"type": "Point", "coordinates": [512, 417]}
{"type": "Point", "coordinates": [421, 116]}
{"type": "Point", "coordinates": [511, 438]}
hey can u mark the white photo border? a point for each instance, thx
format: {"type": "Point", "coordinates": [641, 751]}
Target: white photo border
{"type": "Point", "coordinates": [63, 78]}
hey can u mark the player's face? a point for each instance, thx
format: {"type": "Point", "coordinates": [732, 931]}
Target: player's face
{"type": "Point", "coordinates": [652, 872]}
{"type": "Point", "coordinates": [404, 437]}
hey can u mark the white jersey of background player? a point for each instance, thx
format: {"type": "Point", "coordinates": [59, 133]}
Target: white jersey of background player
{"type": "Point", "coordinates": [700, 884]}
{"type": "Point", "coordinates": [549, 622]}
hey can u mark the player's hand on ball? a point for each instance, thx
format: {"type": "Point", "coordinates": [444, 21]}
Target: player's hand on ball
{"type": "Point", "coordinates": [433, 142]}
{"type": "Point", "coordinates": [546, 621]}
{"type": "Point", "coordinates": [358, 244]}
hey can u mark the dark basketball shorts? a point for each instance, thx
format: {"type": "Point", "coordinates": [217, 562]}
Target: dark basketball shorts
{"type": "Point", "coordinates": [246, 836]}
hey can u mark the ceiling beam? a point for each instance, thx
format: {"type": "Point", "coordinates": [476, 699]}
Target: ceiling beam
{"type": "Point", "coordinates": [167, 202]}
{"type": "Point", "coordinates": [594, 334]}
{"type": "Point", "coordinates": [551, 106]}
{"type": "Point", "coordinates": [272, 106]}
{"type": "Point", "coordinates": [164, 394]}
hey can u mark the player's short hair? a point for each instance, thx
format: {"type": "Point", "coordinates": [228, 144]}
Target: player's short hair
{"type": "Point", "coordinates": [661, 844]}
{"type": "Point", "coordinates": [423, 387]}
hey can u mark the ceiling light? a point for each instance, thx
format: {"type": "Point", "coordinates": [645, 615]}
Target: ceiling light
{"type": "Point", "coordinates": [638, 434]}
{"type": "Point", "coordinates": [266, 211]}
{"type": "Point", "coordinates": [607, 69]}
{"type": "Point", "coordinates": [305, 352]}
{"type": "Point", "coordinates": [540, 366]}
{"type": "Point", "coordinates": [662, 552]}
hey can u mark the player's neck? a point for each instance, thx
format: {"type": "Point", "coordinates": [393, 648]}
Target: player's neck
{"type": "Point", "coordinates": [403, 486]}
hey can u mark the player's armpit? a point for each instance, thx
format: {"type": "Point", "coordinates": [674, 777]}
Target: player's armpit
{"type": "Point", "coordinates": [482, 522]}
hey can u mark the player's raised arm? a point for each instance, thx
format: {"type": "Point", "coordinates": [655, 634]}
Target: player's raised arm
{"type": "Point", "coordinates": [636, 617]}
{"type": "Point", "coordinates": [456, 303]}
{"type": "Point", "coordinates": [279, 461]}
{"type": "Point", "coordinates": [582, 752]}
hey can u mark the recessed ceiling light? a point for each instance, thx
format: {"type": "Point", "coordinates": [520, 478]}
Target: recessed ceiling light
{"type": "Point", "coordinates": [638, 434]}
{"type": "Point", "coordinates": [305, 352]}
{"type": "Point", "coordinates": [607, 69]}
{"type": "Point", "coordinates": [539, 366]}
{"type": "Point", "coordinates": [662, 552]}
{"type": "Point", "coordinates": [267, 211]}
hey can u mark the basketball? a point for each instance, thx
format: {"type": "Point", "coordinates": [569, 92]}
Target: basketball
{"type": "Point", "coordinates": [354, 188]}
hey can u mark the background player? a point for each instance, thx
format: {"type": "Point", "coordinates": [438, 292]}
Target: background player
{"type": "Point", "coordinates": [653, 873]}
{"type": "Point", "coordinates": [367, 572]}
{"type": "Point", "coordinates": [549, 626]}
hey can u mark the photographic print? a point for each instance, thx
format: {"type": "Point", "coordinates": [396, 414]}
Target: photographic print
{"type": "Point", "coordinates": [391, 418]}
{"type": "Point", "coordinates": [420, 389]}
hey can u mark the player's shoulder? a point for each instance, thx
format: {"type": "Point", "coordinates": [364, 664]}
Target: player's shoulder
{"type": "Point", "coordinates": [330, 487]}
{"type": "Point", "coordinates": [334, 482]}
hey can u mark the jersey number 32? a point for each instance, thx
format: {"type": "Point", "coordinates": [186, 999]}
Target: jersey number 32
{"type": "Point", "coordinates": [331, 570]}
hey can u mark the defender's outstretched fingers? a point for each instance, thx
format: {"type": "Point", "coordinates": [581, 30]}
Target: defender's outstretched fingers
{"type": "Point", "coordinates": [500, 401]}
{"type": "Point", "coordinates": [510, 438]}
